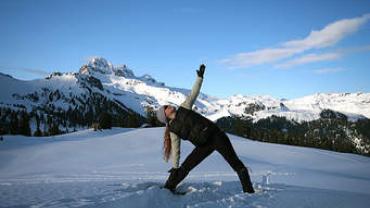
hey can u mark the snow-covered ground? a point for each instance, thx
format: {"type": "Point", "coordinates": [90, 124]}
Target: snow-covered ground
{"type": "Point", "coordinates": [124, 168]}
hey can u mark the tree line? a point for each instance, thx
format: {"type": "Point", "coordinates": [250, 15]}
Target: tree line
{"type": "Point", "coordinates": [332, 131]}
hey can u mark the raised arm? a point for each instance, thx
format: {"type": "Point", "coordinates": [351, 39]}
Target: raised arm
{"type": "Point", "coordinates": [190, 99]}
{"type": "Point", "coordinates": [188, 103]}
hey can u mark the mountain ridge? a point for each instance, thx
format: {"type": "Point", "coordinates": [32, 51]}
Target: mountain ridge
{"type": "Point", "coordinates": [103, 94]}
{"type": "Point", "coordinates": [119, 82]}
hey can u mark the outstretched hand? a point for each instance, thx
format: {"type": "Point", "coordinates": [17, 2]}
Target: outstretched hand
{"type": "Point", "coordinates": [201, 70]}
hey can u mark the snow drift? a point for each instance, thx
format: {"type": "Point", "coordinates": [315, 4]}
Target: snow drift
{"type": "Point", "coordinates": [124, 168]}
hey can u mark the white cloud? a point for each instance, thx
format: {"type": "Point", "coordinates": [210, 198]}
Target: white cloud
{"type": "Point", "coordinates": [328, 36]}
{"type": "Point", "coordinates": [310, 58]}
{"type": "Point", "coordinates": [328, 70]}
{"type": "Point", "coordinates": [39, 72]}
{"type": "Point", "coordinates": [258, 57]}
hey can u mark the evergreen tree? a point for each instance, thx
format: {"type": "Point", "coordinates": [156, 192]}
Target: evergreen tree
{"type": "Point", "coordinates": [14, 124]}
{"type": "Point", "coordinates": [2, 130]}
{"type": "Point", "coordinates": [54, 129]}
{"type": "Point", "coordinates": [37, 133]}
{"type": "Point", "coordinates": [105, 120]}
{"type": "Point", "coordinates": [37, 118]}
{"type": "Point", "coordinates": [151, 117]}
{"type": "Point", "coordinates": [24, 124]}
{"type": "Point", "coordinates": [132, 121]}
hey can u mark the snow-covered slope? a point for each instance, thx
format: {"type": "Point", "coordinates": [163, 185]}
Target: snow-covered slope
{"type": "Point", "coordinates": [351, 104]}
{"type": "Point", "coordinates": [124, 168]}
{"type": "Point", "coordinates": [119, 83]}
{"type": "Point", "coordinates": [19, 92]}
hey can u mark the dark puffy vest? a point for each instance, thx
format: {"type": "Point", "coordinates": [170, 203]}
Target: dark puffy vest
{"type": "Point", "coordinates": [192, 126]}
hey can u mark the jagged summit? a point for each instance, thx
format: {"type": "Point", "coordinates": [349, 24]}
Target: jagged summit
{"type": "Point", "coordinates": [97, 65]}
{"type": "Point", "coordinates": [104, 70]}
{"type": "Point", "coordinates": [123, 71]}
{"type": "Point", "coordinates": [101, 65]}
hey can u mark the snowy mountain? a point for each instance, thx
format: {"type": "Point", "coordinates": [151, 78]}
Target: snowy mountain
{"type": "Point", "coordinates": [117, 168]}
{"type": "Point", "coordinates": [120, 84]}
{"type": "Point", "coordinates": [64, 102]}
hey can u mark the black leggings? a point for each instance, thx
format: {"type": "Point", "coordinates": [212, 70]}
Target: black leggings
{"type": "Point", "coordinates": [219, 142]}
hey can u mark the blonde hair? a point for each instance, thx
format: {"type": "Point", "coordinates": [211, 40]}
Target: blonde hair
{"type": "Point", "coordinates": [166, 144]}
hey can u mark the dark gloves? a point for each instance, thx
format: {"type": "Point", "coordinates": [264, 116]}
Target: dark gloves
{"type": "Point", "coordinates": [201, 70]}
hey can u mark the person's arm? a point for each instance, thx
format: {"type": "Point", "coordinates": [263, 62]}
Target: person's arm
{"type": "Point", "coordinates": [188, 103]}
{"type": "Point", "coordinates": [175, 150]}
{"type": "Point", "coordinates": [190, 99]}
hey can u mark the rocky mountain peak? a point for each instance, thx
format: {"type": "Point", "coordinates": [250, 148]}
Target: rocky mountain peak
{"type": "Point", "coordinates": [123, 71]}
{"type": "Point", "coordinates": [97, 65]}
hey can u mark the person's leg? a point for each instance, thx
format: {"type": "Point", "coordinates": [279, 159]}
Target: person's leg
{"type": "Point", "coordinates": [197, 156]}
{"type": "Point", "coordinates": [225, 148]}
{"type": "Point", "coordinates": [192, 160]}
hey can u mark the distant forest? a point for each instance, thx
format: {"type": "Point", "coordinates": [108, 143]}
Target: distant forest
{"type": "Point", "coordinates": [333, 131]}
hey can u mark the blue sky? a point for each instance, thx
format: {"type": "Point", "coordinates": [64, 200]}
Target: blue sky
{"type": "Point", "coordinates": [286, 49]}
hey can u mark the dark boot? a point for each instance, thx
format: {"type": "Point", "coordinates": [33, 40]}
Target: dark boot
{"type": "Point", "coordinates": [245, 180]}
{"type": "Point", "coordinates": [176, 176]}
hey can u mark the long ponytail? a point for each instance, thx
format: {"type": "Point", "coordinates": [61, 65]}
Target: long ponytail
{"type": "Point", "coordinates": [166, 144]}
